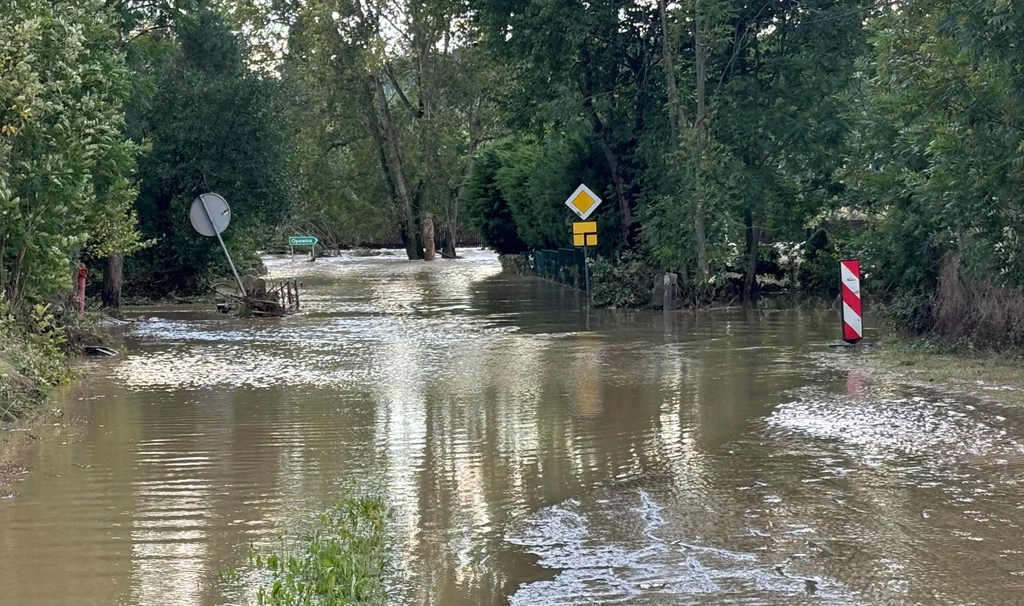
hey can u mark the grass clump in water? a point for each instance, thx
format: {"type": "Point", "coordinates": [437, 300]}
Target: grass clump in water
{"type": "Point", "coordinates": [342, 559]}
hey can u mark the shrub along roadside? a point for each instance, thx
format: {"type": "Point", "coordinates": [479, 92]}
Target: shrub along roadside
{"type": "Point", "coordinates": [32, 358]}
{"type": "Point", "coordinates": [35, 342]}
{"type": "Point", "coordinates": [342, 559]}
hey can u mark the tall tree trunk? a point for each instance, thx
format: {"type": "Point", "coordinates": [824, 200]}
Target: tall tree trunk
{"type": "Point", "coordinates": [448, 246]}
{"type": "Point", "coordinates": [113, 272]}
{"type": "Point", "coordinates": [428, 238]}
{"type": "Point", "coordinates": [413, 249]}
{"type": "Point", "coordinates": [625, 213]}
{"type": "Point", "coordinates": [700, 124]}
{"type": "Point", "coordinates": [380, 146]}
{"type": "Point", "coordinates": [604, 138]}
{"type": "Point", "coordinates": [676, 115]}
{"type": "Point", "coordinates": [755, 222]}
{"type": "Point", "coordinates": [451, 226]}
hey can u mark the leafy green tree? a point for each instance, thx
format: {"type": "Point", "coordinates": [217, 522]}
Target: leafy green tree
{"type": "Point", "coordinates": [399, 96]}
{"type": "Point", "coordinates": [213, 125]}
{"type": "Point", "coordinates": [487, 208]}
{"type": "Point", "coordinates": [717, 120]}
{"type": "Point", "coordinates": [65, 163]}
{"type": "Point", "coordinates": [755, 143]}
{"type": "Point", "coordinates": [571, 65]}
{"type": "Point", "coordinates": [938, 159]}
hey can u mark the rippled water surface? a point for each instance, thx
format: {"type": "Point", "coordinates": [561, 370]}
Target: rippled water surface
{"type": "Point", "coordinates": [532, 455]}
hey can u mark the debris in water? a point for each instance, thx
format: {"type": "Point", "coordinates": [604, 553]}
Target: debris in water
{"type": "Point", "coordinates": [811, 585]}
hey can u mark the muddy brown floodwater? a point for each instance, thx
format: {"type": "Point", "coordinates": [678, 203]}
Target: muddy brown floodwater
{"type": "Point", "coordinates": [722, 458]}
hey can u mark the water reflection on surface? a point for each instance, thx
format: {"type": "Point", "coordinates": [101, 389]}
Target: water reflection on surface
{"type": "Point", "coordinates": [531, 456]}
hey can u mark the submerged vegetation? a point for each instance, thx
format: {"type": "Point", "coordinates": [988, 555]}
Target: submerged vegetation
{"type": "Point", "coordinates": [342, 559]}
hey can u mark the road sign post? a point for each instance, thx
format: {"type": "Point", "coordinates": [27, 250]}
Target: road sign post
{"type": "Point", "coordinates": [310, 241]}
{"type": "Point", "coordinates": [210, 215]}
{"type": "Point", "coordinates": [584, 202]}
{"type": "Point", "coordinates": [584, 233]}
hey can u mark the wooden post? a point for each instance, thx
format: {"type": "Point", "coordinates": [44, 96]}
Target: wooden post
{"type": "Point", "coordinates": [296, 283]}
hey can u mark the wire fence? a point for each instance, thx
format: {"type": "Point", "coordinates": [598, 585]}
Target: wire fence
{"type": "Point", "coordinates": [565, 265]}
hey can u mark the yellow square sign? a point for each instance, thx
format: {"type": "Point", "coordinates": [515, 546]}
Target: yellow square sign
{"type": "Point", "coordinates": [583, 201]}
{"type": "Point", "coordinates": [584, 233]}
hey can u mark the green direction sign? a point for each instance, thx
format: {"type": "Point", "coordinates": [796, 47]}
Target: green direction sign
{"type": "Point", "coordinates": [302, 241]}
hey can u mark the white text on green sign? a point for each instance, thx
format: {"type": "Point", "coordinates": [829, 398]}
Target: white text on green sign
{"type": "Point", "coordinates": [302, 241]}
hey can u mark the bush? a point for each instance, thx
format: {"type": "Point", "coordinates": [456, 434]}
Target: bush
{"type": "Point", "coordinates": [625, 282]}
{"type": "Point", "coordinates": [32, 357]}
{"type": "Point", "coordinates": [976, 310]}
{"type": "Point", "coordinates": [516, 264]}
{"type": "Point", "coordinates": [818, 274]}
{"type": "Point", "coordinates": [911, 311]}
{"type": "Point", "coordinates": [341, 560]}
{"type": "Point", "coordinates": [487, 208]}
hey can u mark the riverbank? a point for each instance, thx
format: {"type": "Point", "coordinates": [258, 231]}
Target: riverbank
{"type": "Point", "coordinates": [36, 344]}
{"type": "Point", "coordinates": [40, 423]}
{"type": "Point", "coordinates": [995, 374]}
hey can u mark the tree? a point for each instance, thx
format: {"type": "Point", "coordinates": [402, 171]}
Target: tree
{"type": "Point", "coordinates": [65, 164]}
{"type": "Point", "coordinates": [212, 125]}
{"type": "Point", "coordinates": [938, 158]}
{"type": "Point", "coordinates": [759, 136]}
{"type": "Point", "coordinates": [399, 93]}
{"type": "Point", "coordinates": [487, 208]}
{"type": "Point", "coordinates": [571, 63]}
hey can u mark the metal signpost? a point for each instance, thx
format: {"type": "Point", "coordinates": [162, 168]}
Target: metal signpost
{"type": "Point", "coordinates": [584, 233]}
{"type": "Point", "coordinates": [310, 241]}
{"type": "Point", "coordinates": [584, 202]}
{"type": "Point", "coordinates": [210, 215]}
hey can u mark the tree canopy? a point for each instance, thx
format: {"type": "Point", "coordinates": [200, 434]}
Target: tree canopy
{"type": "Point", "coordinates": [66, 166]}
{"type": "Point", "coordinates": [715, 130]}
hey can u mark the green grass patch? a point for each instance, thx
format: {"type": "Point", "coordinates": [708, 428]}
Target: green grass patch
{"type": "Point", "coordinates": [342, 559]}
{"type": "Point", "coordinates": [952, 364]}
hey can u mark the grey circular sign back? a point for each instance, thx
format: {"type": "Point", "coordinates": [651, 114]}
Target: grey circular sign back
{"type": "Point", "coordinates": [218, 219]}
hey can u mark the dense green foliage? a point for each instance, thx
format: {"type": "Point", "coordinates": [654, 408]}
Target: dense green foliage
{"type": "Point", "coordinates": [31, 358]}
{"type": "Point", "coordinates": [716, 131]}
{"type": "Point", "coordinates": [212, 127]}
{"type": "Point", "coordinates": [65, 163]}
{"type": "Point", "coordinates": [889, 132]}
{"type": "Point", "coordinates": [707, 127]}
{"type": "Point", "coordinates": [341, 560]}
{"type": "Point", "coordinates": [939, 141]}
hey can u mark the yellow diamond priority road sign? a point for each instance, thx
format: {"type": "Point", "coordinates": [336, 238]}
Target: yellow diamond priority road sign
{"type": "Point", "coordinates": [583, 202]}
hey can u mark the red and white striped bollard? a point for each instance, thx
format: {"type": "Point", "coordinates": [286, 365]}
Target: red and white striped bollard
{"type": "Point", "coordinates": [853, 323]}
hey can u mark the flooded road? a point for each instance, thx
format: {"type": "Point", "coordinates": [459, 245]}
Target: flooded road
{"type": "Point", "coordinates": [700, 459]}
